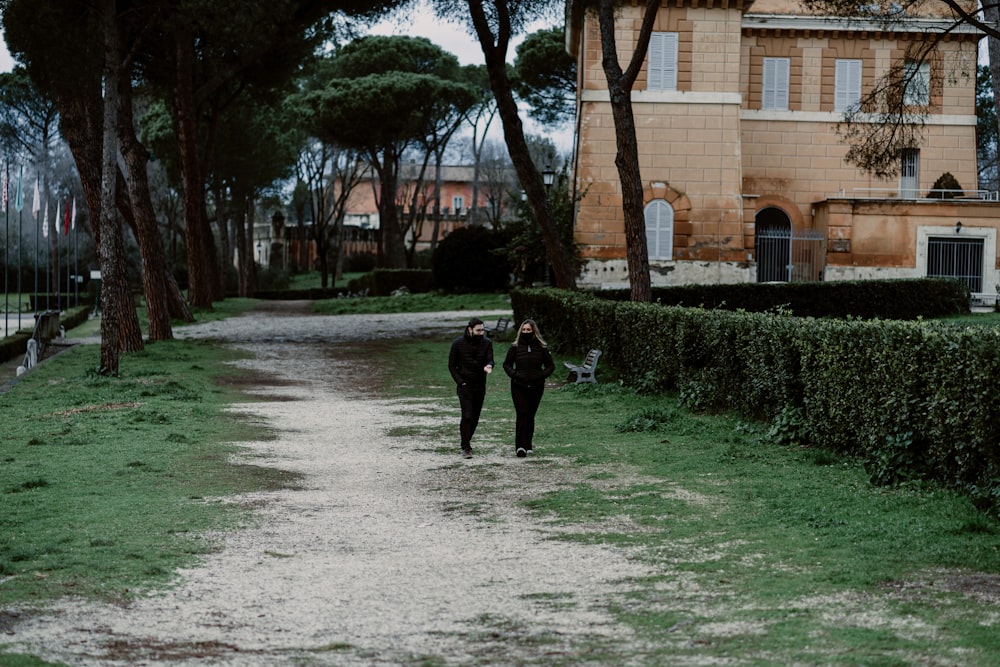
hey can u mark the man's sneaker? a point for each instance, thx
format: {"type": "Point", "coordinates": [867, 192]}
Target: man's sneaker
{"type": "Point", "coordinates": [531, 451]}
{"type": "Point", "coordinates": [467, 453]}
{"type": "Point", "coordinates": [521, 453]}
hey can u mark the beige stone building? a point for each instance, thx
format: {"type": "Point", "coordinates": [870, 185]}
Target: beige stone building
{"type": "Point", "coordinates": [737, 109]}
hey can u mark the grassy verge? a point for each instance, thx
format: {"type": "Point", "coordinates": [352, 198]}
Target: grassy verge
{"type": "Point", "coordinates": [313, 280]}
{"type": "Point", "coordinates": [763, 554]}
{"type": "Point", "coordinates": [413, 303]}
{"type": "Point", "coordinates": [109, 484]}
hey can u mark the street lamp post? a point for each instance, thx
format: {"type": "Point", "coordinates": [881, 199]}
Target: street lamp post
{"type": "Point", "coordinates": [548, 176]}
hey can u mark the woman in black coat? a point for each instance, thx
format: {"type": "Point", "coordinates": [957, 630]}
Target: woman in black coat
{"type": "Point", "coordinates": [528, 364]}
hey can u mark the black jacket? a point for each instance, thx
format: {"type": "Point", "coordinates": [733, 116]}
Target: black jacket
{"type": "Point", "coordinates": [468, 358]}
{"type": "Point", "coordinates": [528, 365]}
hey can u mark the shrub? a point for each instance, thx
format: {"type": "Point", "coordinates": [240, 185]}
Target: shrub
{"type": "Point", "coordinates": [466, 261]}
{"type": "Point", "coordinates": [946, 187]}
{"type": "Point", "coordinates": [912, 399]}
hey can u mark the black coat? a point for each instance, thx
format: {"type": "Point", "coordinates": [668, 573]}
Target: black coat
{"type": "Point", "coordinates": [468, 358]}
{"type": "Point", "coordinates": [528, 365]}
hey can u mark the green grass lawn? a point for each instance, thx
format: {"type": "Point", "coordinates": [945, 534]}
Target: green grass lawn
{"type": "Point", "coordinates": [108, 484]}
{"type": "Point", "coordinates": [767, 555]}
{"type": "Point", "coordinates": [761, 554]}
{"type": "Point", "coordinates": [414, 303]}
{"type": "Point", "coordinates": [313, 280]}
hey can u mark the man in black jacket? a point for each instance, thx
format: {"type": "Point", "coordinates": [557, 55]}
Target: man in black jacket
{"type": "Point", "coordinates": [470, 361]}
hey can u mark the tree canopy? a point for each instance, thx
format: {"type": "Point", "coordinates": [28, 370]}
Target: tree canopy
{"type": "Point", "coordinates": [545, 76]}
{"type": "Point", "coordinates": [382, 94]}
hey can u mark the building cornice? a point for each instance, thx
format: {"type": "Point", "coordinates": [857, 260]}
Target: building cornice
{"type": "Point", "coordinates": [768, 23]}
{"type": "Point", "coordinates": [576, 10]}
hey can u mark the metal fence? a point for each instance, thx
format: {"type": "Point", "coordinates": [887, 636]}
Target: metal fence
{"type": "Point", "coordinates": [959, 258]}
{"type": "Point", "coordinates": [786, 256]}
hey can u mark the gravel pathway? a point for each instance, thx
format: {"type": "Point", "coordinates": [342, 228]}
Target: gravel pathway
{"type": "Point", "coordinates": [390, 553]}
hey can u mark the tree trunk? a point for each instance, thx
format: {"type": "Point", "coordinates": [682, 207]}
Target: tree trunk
{"type": "Point", "coordinates": [991, 12]}
{"type": "Point", "coordinates": [243, 256]}
{"type": "Point", "coordinates": [338, 256]}
{"type": "Point", "coordinates": [163, 298]}
{"type": "Point", "coordinates": [119, 323]}
{"type": "Point", "coordinates": [393, 246]}
{"type": "Point", "coordinates": [627, 157]}
{"type": "Point", "coordinates": [249, 205]}
{"type": "Point", "coordinates": [201, 260]}
{"type": "Point", "coordinates": [517, 146]}
{"type": "Point", "coordinates": [224, 220]}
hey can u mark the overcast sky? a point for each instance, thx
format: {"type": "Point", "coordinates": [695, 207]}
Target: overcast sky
{"type": "Point", "coordinates": [6, 64]}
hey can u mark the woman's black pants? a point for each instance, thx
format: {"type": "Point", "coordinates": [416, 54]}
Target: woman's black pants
{"type": "Point", "coordinates": [526, 400]}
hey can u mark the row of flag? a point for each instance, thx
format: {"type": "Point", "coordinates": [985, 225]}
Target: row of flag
{"type": "Point", "coordinates": [70, 218]}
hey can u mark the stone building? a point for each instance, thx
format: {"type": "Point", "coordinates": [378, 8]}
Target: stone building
{"type": "Point", "coordinates": [737, 110]}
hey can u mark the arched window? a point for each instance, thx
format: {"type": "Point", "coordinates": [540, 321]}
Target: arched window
{"type": "Point", "coordinates": [660, 229]}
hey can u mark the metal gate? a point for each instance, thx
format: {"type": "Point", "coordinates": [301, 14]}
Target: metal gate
{"type": "Point", "coordinates": [787, 256]}
{"type": "Point", "coordinates": [960, 258]}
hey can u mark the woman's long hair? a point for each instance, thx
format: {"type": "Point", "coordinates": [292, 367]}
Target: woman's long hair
{"type": "Point", "coordinates": [534, 330]}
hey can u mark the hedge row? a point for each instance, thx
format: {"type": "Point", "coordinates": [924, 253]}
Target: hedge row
{"type": "Point", "coordinates": [383, 282]}
{"type": "Point", "coordinates": [911, 399]}
{"type": "Point", "coordinates": [904, 299]}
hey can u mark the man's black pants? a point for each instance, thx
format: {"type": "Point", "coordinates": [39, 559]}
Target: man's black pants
{"type": "Point", "coordinates": [470, 398]}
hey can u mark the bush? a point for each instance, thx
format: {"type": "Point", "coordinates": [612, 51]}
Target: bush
{"type": "Point", "coordinates": [467, 261]}
{"type": "Point", "coordinates": [359, 262]}
{"type": "Point", "coordinates": [912, 399]}
{"type": "Point", "coordinates": [383, 282]}
{"type": "Point", "coordinates": [946, 187]}
{"type": "Point", "coordinates": [902, 299]}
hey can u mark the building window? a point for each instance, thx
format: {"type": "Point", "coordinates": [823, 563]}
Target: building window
{"type": "Point", "coordinates": [660, 230]}
{"type": "Point", "coordinates": [775, 93]}
{"type": "Point", "coordinates": [458, 203]}
{"type": "Point", "coordinates": [662, 59]}
{"type": "Point", "coordinates": [917, 82]}
{"type": "Point", "coordinates": [909, 179]}
{"type": "Point", "coordinates": [957, 258]}
{"type": "Point", "coordinates": [847, 85]}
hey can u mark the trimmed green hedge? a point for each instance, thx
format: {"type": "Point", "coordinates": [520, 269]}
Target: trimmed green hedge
{"type": "Point", "coordinates": [902, 299]}
{"type": "Point", "coordinates": [914, 400]}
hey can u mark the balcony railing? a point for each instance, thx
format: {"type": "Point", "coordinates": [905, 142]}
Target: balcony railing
{"type": "Point", "coordinates": [937, 194]}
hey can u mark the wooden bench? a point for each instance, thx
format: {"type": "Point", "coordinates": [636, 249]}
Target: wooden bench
{"type": "Point", "coordinates": [500, 330]}
{"type": "Point", "coordinates": [585, 372]}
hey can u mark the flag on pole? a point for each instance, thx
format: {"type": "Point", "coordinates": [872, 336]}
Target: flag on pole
{"type": "Point", "coordinates": [66, 224]}
{"type": "Point", "coordinates": [19, 198]}
{"type": "Point", "coordinates": [72, 219]}
{"type": "Point", "coordinates": [6, 171]}
{"type": "Point", "coordinates": [36, 204]}
{"type": "Point", "coordinates": [45, 221]}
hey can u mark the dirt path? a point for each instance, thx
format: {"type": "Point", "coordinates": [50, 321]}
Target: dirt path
{"type": "Point", "coordinates": [383, 555]}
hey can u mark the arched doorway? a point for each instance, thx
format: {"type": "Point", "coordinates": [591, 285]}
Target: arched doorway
{"type": "Point", "coordinates": [773, 245]}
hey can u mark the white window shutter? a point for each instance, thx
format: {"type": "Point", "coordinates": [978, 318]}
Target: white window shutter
{"type": "Point", "coordinates": [662, 60]}
{"type": "Point", "coordinates": [847, 83]}
{"type": "Point", "coordinates": [776, 75]}
{"type": "Point", "coordinates": [659, 230]}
